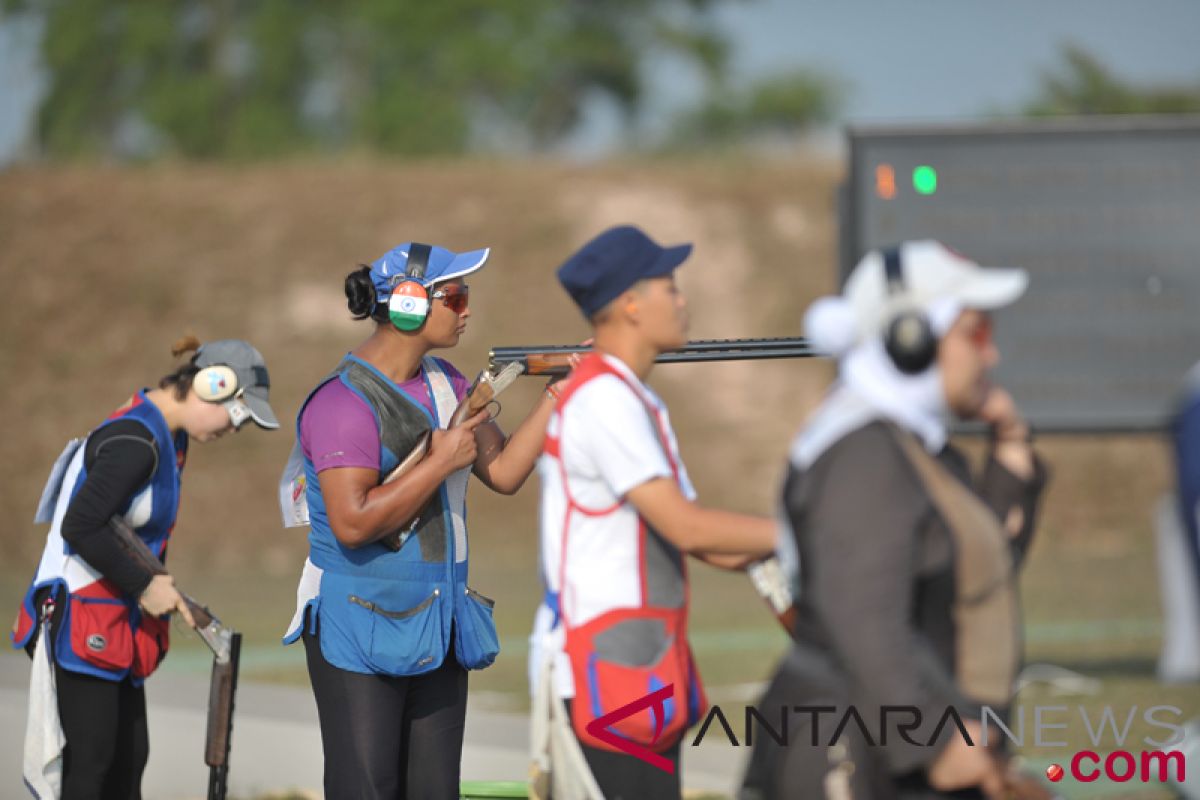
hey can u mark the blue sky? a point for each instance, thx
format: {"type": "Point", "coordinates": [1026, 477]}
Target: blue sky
{"type": "Point", "coordinates": [900, 60]}
{"type": "Point", "coordinates": [20, 84]}
{"type": "Point", "coordinates": [921, 59]}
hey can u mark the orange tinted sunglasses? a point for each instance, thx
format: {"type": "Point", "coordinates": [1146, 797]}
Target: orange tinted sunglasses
{"type": "Point", "coordinates": [981, 334]}
{"type": "Point", "coordinates": [454, 296]}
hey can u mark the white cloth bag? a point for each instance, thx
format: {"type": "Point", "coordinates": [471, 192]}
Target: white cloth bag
{"type": "Point", "coordinates": [44, 738]}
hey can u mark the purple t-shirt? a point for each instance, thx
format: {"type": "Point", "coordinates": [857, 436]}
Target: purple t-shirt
{"type": "Point", "coordinates": [337, 428]}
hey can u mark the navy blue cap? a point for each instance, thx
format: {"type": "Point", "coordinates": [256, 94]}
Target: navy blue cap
{"type": "Point", "coordinates": [612, 262]}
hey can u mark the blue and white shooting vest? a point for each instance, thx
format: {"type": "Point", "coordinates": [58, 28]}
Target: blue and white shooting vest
{"type": "Point", "coordinates": [103, 632]}
{"type": "Point", "coordinates": [382, 611]}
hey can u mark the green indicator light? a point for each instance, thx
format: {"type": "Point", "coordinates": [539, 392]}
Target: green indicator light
{"type": "Point", "coordinates": [925, 179]}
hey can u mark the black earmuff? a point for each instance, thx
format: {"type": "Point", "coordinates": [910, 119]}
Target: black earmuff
{"type": "Point", "coordinates": [908, 337]}
{"type": "Point", "coordinates": [409, 304]}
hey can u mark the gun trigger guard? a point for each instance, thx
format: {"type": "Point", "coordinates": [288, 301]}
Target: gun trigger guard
{"type": "Point", "coordinates": [493, 414]}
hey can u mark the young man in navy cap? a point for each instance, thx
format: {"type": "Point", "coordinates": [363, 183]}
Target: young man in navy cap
{"type": "Point", "coordinates": [618, 514]}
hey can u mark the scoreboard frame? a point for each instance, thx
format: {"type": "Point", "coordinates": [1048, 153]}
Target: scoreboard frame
{"type": "Point", "coordinates": [870, 143]}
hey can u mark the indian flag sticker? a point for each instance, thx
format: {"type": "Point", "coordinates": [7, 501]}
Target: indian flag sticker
{"type": "Point", "coordinates": [408, 306]}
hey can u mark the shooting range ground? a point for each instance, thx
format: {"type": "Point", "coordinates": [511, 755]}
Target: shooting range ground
{"type": "Point", "coordinates": [103, 268]}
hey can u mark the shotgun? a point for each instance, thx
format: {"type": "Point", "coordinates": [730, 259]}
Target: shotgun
{"type": "Point", "coordinates": [506, 364]}
{"type": "Point", "coordinates": [210, 629]}
{"type": "Point", "coordinates": [766, 575]}
{"type": "Point", "coordinates": [225, 645]}
{"type": "Point", "coordinates": [486, 387]}
{"type": "Point", "coordinates": [552, 360]}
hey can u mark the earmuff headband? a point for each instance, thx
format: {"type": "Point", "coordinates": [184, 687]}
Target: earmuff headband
{"type": "Point", "coordinates": [418, 261]}
{"type": "Point", "coordinates": [893, 270]}
{"type": "Point", "coordinates": [908, 337]}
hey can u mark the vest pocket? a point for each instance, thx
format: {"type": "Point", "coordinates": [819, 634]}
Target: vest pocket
{"type": "Point", "coordinates": [619, 658]}
{"type": "Point", "coordinates": [100, 632]}
{"type": "Point", "coordinates": [150, 643]}
{"type": "Point", "coordinates": [403, 639]}
{"type": "Point", "coordinates": [476, 644]}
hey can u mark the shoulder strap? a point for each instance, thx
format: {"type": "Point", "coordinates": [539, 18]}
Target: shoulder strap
{"type": "Point", "coordinates": [985, 595]}
{"type": "Point", "coordinates": [441, 389]}
{"type": "Point", "coordinates": [652, 412]}
{"type": "Point", "coordinates": [53, 487]}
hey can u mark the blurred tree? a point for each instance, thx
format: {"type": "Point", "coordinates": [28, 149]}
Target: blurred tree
{"type": "Point", "coordinates": [214, 78]}
{"type": "Point", "coordinates": [779, 107]}
{"type": "Point", "coordinates": [1084, 86]}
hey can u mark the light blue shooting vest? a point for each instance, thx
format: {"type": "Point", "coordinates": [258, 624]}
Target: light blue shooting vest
{"type": "Point", "coordinates": [394, 612]}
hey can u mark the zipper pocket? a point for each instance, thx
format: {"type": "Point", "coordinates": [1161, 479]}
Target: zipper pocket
{"type": "Point", "coordinates": [417, 609]}
{"type": "Point", "coordinates": [487, 601]}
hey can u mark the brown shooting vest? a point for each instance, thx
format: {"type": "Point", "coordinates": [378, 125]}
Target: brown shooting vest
{"type": "Point", "coordinates": [985, 604]}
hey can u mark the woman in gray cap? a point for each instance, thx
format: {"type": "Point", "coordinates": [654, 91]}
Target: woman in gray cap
{"type": "Point", "coordinates": [105, 615]}
{"type": "Point", "coordinates": [904, 570]}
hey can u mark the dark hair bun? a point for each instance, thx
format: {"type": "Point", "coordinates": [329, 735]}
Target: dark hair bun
{"type": "Point", "coordinates": [360, 292]}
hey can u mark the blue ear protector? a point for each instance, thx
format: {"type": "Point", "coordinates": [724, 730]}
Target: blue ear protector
{"type": "Point", "coordinates": [409, 304]}
{"type": "Point", "coordinates": [908, 337]}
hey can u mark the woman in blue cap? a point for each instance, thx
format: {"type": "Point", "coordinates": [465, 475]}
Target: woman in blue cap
{"type": "Point", "coordinates": [389, 624]}
{"type": "Point", "coordinates": [103, 613]}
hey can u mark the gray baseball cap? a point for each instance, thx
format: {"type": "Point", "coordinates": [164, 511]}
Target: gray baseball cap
{"type": "Point", "coordinates": [254, 382]}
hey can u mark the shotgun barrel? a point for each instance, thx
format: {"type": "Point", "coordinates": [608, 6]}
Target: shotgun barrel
{"type": "Point", "coordinates": [221, 693]}
{"type": "Point", "coordinates": [551, 360]}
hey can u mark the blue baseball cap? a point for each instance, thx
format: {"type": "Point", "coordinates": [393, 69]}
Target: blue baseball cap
{"type": "Point", "coordinates": [612, 262]}
{"type": "Point", "coordinates": [443, 265]}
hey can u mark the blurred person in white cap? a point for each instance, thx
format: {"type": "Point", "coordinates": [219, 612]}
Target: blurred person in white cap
{"type": "Point", "coordinates": [904, 567]}
{"type": "Point", "coordinates": [389, 624]}
{"type": "Point", "coordinates": [105, 615]}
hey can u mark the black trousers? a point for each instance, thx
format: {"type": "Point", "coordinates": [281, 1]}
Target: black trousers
{"type": "Point", "coordinates": [104, 723]}
{"type": "Point", "coordinates": [620, 776]}
{"type": "Point", "coordinates": [107, 740]}
{"type": "Point", "coordinates": [386, 738]}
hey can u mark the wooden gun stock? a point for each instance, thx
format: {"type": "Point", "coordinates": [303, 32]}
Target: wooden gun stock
{"type": "Point", "coordinates": [483, 391]}
{"type": "Point", "coordinates": [477, 400]}
{"type": "Point", "coordinates": [135, 547]}
{"type": "Point", "coordinates": [548, 364]}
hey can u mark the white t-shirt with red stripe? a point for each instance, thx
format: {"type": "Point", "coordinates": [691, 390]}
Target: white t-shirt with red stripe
{"type": "Point", "coordinates": [608, 445]}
